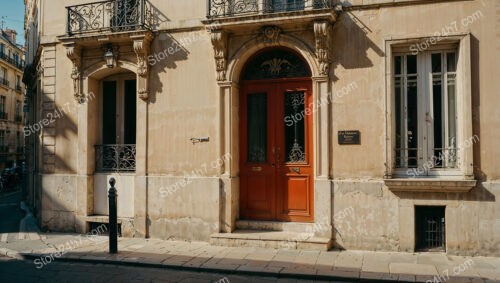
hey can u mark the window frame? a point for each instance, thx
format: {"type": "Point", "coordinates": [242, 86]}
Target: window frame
{"type": "Point", "coordinates": [425, 132]}
{"type": "Point", "coordinates": [2, 138]}
{"type": "Point", "coordinates": [460, 43]}
{"type": "Point", "coordinates": [3, 103]}
{"type": "Point", "coordinates": [120, 106]}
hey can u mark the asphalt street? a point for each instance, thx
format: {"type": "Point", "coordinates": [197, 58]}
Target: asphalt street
{"type": "Point", "coordinates": [12, 270]}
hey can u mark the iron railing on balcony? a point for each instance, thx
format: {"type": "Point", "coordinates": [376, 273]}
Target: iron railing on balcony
{"type": "Point", "coordinates": [115, 157]}
{"type": "Point", "coordinates": [18, 88]}
{"type": "Point", "coordinates": [445, 158]}
{"type": "Point", "coordinates": [16, 63]}
{"type": "Point", "coordinates": [3, 115]}
{"type": "Point", "coordinates": [111, 15]}
{"type": "Point", "coordinates": [228, 8]}
{"type": "Point", "coordinates": [4, 81]}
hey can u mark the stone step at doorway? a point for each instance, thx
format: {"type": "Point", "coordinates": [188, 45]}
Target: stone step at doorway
{"type": "Point", "coordinates": [271, 239]}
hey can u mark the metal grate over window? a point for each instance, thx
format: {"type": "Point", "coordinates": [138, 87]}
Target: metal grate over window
{"type": "Point", "coordinates": [430, 228]}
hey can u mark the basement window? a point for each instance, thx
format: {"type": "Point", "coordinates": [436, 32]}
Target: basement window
{"type": "Point", "coordinates": [430, 233]}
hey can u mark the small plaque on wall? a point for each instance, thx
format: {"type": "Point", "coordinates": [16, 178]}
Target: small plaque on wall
{"type": "Point", "coordinates": [349, 137]}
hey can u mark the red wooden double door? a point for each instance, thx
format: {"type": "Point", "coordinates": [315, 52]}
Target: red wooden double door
{"type": "Point", "coordinates": [276, 150]}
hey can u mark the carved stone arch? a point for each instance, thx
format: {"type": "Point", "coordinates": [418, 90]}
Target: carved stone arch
{"type": "Point", "coordinates": [239, 59]}
{"type": "Point", "coordinates": [229, 70]}
{"type": "Point", "coordinates": [98, 67]}
{"type": "Point", "coordinates": [141, 44]}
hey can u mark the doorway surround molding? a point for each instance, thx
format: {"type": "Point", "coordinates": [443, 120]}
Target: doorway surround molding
{"type": "Point", "coordinates": [88, 68]}
{"type": "Point", "coordinates": [229, 63]}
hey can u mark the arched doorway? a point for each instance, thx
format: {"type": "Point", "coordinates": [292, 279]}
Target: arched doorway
{"type": "Point", "coordinates": [276, 138]}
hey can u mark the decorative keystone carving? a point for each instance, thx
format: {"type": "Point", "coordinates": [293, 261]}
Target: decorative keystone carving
{"type": "Point", "coordinates": [219, 42]}
{"type": "Point", "coordinates": [74, 53]}
{"type": "Point", "coordinates": [270, 35]}
{"type": "Point", "coordinates": [322, 30]}
{"type": "Point", "coordinates": [142, 49]}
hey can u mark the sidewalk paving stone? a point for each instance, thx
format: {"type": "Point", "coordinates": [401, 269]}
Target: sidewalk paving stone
{"type": "Point", "coordinates": [412, 269]}
{"type": "Point", "coordinates": [349, 260]}
{"type": "Point", "coordinates": [364, 265]}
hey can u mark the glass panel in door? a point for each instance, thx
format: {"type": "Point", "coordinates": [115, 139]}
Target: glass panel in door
{"type": "Point", "coordinates": [295, 131]}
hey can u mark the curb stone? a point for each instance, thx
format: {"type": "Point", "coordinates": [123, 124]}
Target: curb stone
{"type": "Point", "coordinates": [11, 253]}
{"type": "Point", "coordinates": [136, 263]}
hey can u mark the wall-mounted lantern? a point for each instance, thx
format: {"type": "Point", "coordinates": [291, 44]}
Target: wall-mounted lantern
{"type": "Point", "coordinates": [109, 57]}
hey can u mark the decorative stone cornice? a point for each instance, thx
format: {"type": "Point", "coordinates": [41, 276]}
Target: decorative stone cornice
{"type": "Point", "coordinates": [219, 42]}
{"type": "Point", "coordinates": [322, 34]}
{"type": "Point", "coordinates": [270, 35]}
{"type": "Point", "coordinates": [74, 53]}
{"type": "Point", "coordinates": [142, 45]}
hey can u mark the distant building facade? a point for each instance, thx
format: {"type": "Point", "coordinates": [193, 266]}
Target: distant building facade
{"type": "Point", "coordinates": [359, 125]}
{"type": "Point", "coordinates": [11, 100]}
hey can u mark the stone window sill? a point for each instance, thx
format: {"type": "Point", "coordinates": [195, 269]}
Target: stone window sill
{"type": "Point", "coordinates": [430, 185]}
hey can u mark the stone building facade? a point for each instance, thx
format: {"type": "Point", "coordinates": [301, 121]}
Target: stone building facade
{"type": "Point", "coordinates": [350, 124]}
{"type": "Point", "coordinates": [11, 100]}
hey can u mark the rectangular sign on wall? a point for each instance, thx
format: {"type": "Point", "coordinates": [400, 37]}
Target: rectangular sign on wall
{"type": "Point", "coordinates": [349, 137]}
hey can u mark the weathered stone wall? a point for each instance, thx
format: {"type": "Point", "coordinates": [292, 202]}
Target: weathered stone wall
{"type": "Point", "coordinates": [385, 221]}
{"type": "Point", "coordinates": [183, 208]}
{"type": "Point", "coordinates": [185, 103]}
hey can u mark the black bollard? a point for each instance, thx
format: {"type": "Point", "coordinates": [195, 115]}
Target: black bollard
{"type": "Point", "coordinates": [113, 225]}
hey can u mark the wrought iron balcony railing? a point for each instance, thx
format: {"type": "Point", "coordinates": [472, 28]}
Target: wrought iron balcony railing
{"type": "Point", "coordinates": [16, 63]}
{"type": "Point", "coordinates": [18, 88]}
{"type": "Point", "coordinates": [228, 8]}
{"type": "Point", "coordinates": [4, 81]}
{"type": "Point", "coordinates": [115, 157]}
{"type": "Point", "coordinates": [111, 15]}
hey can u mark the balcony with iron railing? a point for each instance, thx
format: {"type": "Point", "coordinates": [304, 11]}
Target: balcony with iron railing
{"type": "Point", "coordinates": [3, 115]}
{"type": "Point", "coordinates": [4, 82]}
{"type": "Point", "coordinates": [19, 88]}
{"type": "Point", "coordinates": [115, 158]}
{"type": "Point", "coordinates": [234, 8]}
{"type": "Point", "coordinates": [109, 16]}
{"type": "Point", "coordinates": [16, 63]}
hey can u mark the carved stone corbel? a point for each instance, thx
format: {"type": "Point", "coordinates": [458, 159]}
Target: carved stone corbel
{"type": "Point", "coordinates": [219, 42]}
{"type": "Point", "coordinates": [270, 35]}
{"type": "Point", "coordinates": [74, 53]}
{"type": "Point", "coordinates": [322, 31]}
{"type": "Point", "coordinates": [142, 49]}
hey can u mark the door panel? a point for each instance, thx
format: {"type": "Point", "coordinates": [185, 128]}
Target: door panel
{"type": "Point", "coordinates": [276, 151]}
{"type": "Point", "coordinates": [130, 101]}
{"type": "Point", "coordinates": [294, 168]}
{"type": "Point", "coordinates": [257, 197]}
{"type": "Point", "coordinates": [109, 115]}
